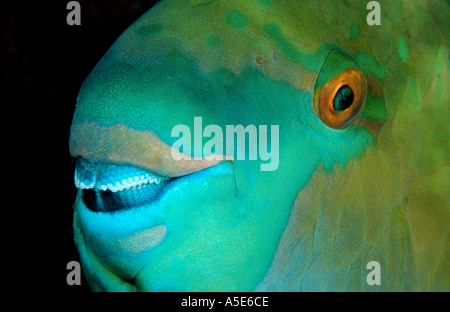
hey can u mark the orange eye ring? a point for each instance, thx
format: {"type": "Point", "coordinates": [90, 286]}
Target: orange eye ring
{"type": "Point", "coordinates": [349, 86]}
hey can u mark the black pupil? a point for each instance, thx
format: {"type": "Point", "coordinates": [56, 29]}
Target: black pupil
{"type": "Point", "coordinates": [343, 98]}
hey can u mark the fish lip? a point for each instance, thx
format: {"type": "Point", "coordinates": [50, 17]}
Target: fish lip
{"type": "Point", "coordinates": [121, 144]}
{"type": "Point", "coordinates": [103, 144]}
{"type": "Point", "coordinates": [146, 216]}
{"type": "Point", "coordinates": [117, 185]}
{"type": "Point", "coordinates": [119, 234]}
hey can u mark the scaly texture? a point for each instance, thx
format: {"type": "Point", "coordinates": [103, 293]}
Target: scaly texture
{"type": "Point", "coordinates": [374, 191]}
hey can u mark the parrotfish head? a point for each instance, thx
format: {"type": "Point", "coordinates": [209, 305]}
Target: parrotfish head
{"type": "Point", "coordinates": [311, 96]}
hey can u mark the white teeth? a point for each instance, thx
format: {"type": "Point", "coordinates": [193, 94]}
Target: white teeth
{"type": "Point", "coordinates": [114, 178]}
{"type": "Point", "coordinates": [82, 184]}
{"type": "Point", "coordinates": [85, 174]}
{"type": "Point", "coordinates": [131, 182]}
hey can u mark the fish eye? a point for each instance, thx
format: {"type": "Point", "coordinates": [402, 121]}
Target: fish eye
{"type": "Point", "coordinates": [340, 90]}
{"type": "Point", "coordinates": [341, 99]}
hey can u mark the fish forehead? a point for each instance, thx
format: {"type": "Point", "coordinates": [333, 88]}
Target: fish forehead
{"type": "Point", "coordinates": [232, 36]}
{"type": "Point", "coordinates": [284, 40]}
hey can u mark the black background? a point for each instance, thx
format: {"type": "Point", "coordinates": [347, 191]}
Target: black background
{"type": "Point", "coordinates": [45, 61]}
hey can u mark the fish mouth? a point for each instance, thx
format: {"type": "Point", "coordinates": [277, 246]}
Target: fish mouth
{"type": "Point", "coordinates": [130, 188]}
{"type": "Point", "coordinates": [122, 209]}
{"type": "Point", "coordinates": [111, 187]}
{"type": "Point", "coordinates": [121, 222]}
{"type": "Point", "coordinates": [119, 168]}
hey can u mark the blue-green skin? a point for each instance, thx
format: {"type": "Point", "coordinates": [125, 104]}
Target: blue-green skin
{"type": "Point", "coordinates": [223, 223]}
